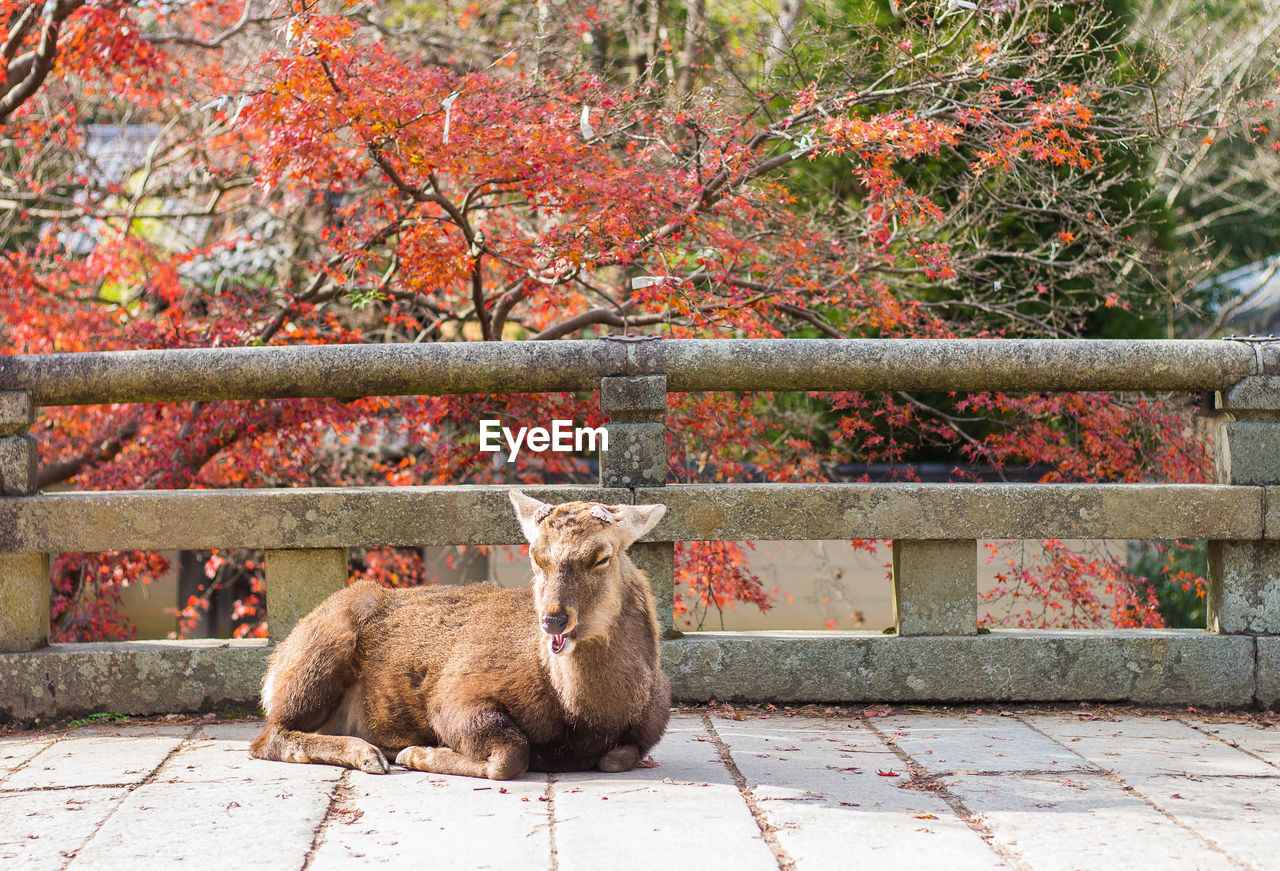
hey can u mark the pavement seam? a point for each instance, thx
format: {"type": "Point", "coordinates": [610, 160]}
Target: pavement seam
{"type": "Point", "coordinates": [130, 789]}
{"type": "Point", "coordinates": [768, 830]}
{"type": "Point", "coordinates": [1133, 790]}
{"type": "Point", "coordinates": [340, 788]}
{"type": "Point", "coordinates": [933, 783]}
{"type": "Point", "coordinates": [1234, 746]}
{"type": "Point", "coordinates": [551, 822]}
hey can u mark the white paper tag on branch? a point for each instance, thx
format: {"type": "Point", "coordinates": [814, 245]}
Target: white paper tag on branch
{"type": "Point", "coordinates": [447, 103]}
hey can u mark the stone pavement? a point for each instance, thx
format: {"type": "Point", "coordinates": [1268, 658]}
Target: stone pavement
{"type": "Point", "coordinates": [1093, 788]}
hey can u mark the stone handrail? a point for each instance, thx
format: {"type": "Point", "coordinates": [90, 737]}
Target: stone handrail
{"type": "Point", "coordinates": [937, 652]}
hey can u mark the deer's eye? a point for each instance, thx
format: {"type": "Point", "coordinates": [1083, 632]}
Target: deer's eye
{"type": "Point", "coordinates": [601, 562]}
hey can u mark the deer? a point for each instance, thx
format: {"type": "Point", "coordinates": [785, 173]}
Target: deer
{"type": "Point", "coordinates": [481, 681]}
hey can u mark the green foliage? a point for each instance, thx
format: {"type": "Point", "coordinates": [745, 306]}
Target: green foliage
{"type": "Point", "coordinates": [98, 719]}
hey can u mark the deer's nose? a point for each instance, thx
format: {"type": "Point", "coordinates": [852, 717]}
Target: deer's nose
{"type": "Point", "coordinates": [555, 625]}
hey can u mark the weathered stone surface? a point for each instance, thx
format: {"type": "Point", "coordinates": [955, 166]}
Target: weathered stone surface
{"type": "Point", "coordinates": [412, 516]}
{"type": "Point", "coordinates": [634, 399]}
{"type": "Point", "coordinates": [16, 413]}
{"type": "Point", "coordinates": [1153, 746]}
{"type": "Point", "coordinates": [249, 824]}
{"type": "Point", "coordinates": [414, 819]}
{"type": "Point", "coordinates": [935, 587]}
{"type": "Point", "coordinates": [343, 371]}
{"type": "Point", "coordinates": [319, 517]}
{"type": "Point", "coordinates": [1246, 451]}
{"type": "Point", "coordinates": [1146, 666]}
{"type": "Point", "coordinates": [17, 465]}
{"type": "Point", "coordinates": [690, 364]}
{"type": "Point", "coordinates": [1244, 587]}
{"type": "Point", "coordinates": [132, 677]}
{"type": "Point", "coordinates": [816, 782]}
{"type": "Point", "coordinates": [1182, 667]}
{"type": "Point", "coordinates": [657, 560]}
{"type": "Point", "coordinates": [299, 580]}
{"type": "Point", "coordinates": [1055, 823]}
{"type": "Point", "coordinates": [637, 455]}
{"type": "Point", "coordinates": [82, 760]}
{"type": "Point", "coordinates": [1256, 396]}
{"type": "Point", "coordinates": [1271, 519]}
{"type": "Point", "coordinates": [24, 601]}
{"type": "Point", "coordinates": [1268, 672]}
{"type": "Point", "coordinates": [959, 743]}
{"type": "Point", "coordinates": [1270, 355]}
{"type": "Point", "coordinates": [640, 819]}
{"type": "Point", "coordinates": [706, 512]}
{"type": "Point", "coordinates": [39, 830]}
{"type": "Point", "coordinates": [1237, 814]}
{"type": "Point", "coordinates": [15, 752]}
{"type": "Point", "coordinates": [944, 364]}
{"type": "Point", "coordinates": [1258, 738]}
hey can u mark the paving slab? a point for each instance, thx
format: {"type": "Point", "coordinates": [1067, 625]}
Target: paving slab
{"type": "Point", "coordinates": [1071, 821]}
{"type": "Point", "coordinates": [219, 824]}
{"type": "Point", "coordinates": [94, 760]}
{"type": "Point", "coordinates": [1261, 741]}
{"type": "Point", "coordinates": [1238, 814]}
{"type": "Point", "coordinates": [956, 743]}
{"type": "Point", "coordinates": [682, 813]}
{"type": "Point", "coordinates": [17, 752]}
{"type": "Point", "coordinates": [1033, 791]}
{"type": "Point", "coordinates": [436, 822]}
{"type": "Point", "coordinates": [43, 830]}
{"type": "Point", "coordinates": [1140, 746]}
{"type": "Point", "coordinates": [835, 791]}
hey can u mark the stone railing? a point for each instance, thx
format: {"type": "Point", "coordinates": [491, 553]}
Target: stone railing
{"type": "Point", "coordinates": [937, 653]}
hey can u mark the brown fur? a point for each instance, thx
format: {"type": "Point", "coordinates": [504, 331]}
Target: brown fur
{"type": "Point", "coordinates": [463, 680]}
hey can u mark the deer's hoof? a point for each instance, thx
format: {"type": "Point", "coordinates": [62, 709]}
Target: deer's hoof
{"type": "Point", "coordinates": [371, 760]}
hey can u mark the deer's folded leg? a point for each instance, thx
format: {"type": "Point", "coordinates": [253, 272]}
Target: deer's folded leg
{"type": "Point", "coordinates": [286, 745]}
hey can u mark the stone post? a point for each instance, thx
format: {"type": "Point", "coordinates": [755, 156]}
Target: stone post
{"type": "Point", "coordinates": [299, 580]}
{"type": "Point", "coordinates": [935, 587]}
{"type": "Point", "coordinates": [637, 457]}
{"type": "Point", "coordinates": [1244, 576]}
{"type": "Point", "coordinates": [24, 577]}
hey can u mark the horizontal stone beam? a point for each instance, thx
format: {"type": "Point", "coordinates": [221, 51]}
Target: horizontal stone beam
{"type": "Point", "coordinates": [313, 517]}
{"type": "Point", "coordinates": [347, 371]}
{"type": "Point", "coordinates": [955, 511]}
{"type": "Point", "coordinates": [325, 517]}
{"type": "Point", "coordinates": [1183, 667]}
{"type": "Point", "coordinates": [1010, 365]}
{"type": "Point", "coordinates": [1157, 667]}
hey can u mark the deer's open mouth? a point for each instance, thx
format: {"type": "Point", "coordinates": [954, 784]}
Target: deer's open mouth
{"type": "Point", "coordinates": [560, 644]}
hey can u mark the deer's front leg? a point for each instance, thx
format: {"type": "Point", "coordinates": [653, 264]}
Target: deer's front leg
{"type": "Point", "coordinates": [287, 745]}
{"type": "Point", "coordinates": [489, 744]}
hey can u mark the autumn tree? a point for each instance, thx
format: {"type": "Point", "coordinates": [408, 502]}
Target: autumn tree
{"type": "Point", "coordinates": [410, 173]}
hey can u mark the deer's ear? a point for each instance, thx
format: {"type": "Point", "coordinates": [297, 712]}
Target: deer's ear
{"type": "Point", "coordinates": [636, 520]}
{"type": "Point", "coordinates": [530, 512]}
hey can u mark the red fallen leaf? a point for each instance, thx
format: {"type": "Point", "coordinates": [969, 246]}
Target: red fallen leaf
{"type": "Point", "coordinates": [649, 762]}
{"type": "Point", "coordinates": [502, 789]}
{"type": "Point", "coordinates": [889, 773]}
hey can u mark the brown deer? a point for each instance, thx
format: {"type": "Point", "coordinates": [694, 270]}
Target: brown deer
{"type": "Point", "coordinates": [482, 681]}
